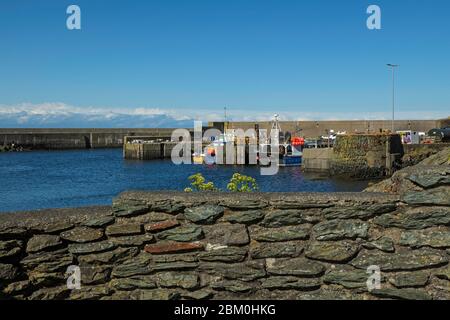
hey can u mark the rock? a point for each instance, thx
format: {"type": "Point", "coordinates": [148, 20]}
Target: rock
{"type": "Point", "coordinates": [437, 196]}
{"type": "Point", "coordinates": [290, 283]}
{"type": "Point", "coordinates": [161, 226]}
{"type": "Point", "coordinates": [245, 217]}
{"type": "Point", "coordinates": [130, 241]}
{"type": "Point", "coordinates": [404, 261]}
{"type": "Point", "coordinates": [12, 233]}
{"type": "Point", "coordinates": [276, 250]}
{"type": "Point", "coordinates": [157, 294]}
{"type": "Point", "coordinates": [244, 204]}
{"type": "Point", "coordinates": [43, 242]}
{"type": "Point", "coordinates": [123, 229]}
{"type": "Point", "coordinates": [186, 233]}
{"type": "Point", "coordinates": [82, 234]}
{"type": "Point", "coordinates": [90, 293]}
{"type": "Point", "coordinates": [245, 271]}
{"type": "Point", "coordinates": [347, 277]}
{"type": "Point", "coordinates": [178, 279]}
{"type": "Point", "coordinates": [205, 214]}
{"type": "Point", "coordinates": [133, 283]}
{"type": "Point", "coordinates": [229, 254]}
{"type": "Point", "coordinates": [47, 261]}
{"type": "Point", "coordinates": [7, 272]}
{"type": "Point", "coordinates": [55, 227]}
{"type": "Point", "coordinates": [114, 256]}
{"type": "Point", "coordinates": [226, 234]}
{"type": "Point", "coordinates": [430, 178]}
{"type": "Point", "coordinates": [340, 230]}
{"type": "Point", "coordinates": [84, 248]}
{"type": "Point", "coordinates": [139, 265]}
{"type": "Point", "coordinates": [432, 237]}
{"type": "Point", "coordinates": [127, 208]}
{"type": "Point", "coordinates": [168, 206]}
{"type": "Point", "coordinates": [174, 262]}
{"type": "Point", "coordinates": [280, 218]}
{"type": "Point", "coordinates": [94, 274]}
{"type": "Point", "coordinates": [288, 233]}
{"type": "Point", "coordinates": [359, 212]}
{"type": "Point", "coordinates": [410, 279]}
{"type": "Point", "coordinates": [385, 244]}
{"type": "Point", "coordinates": [151, 217]}
{"type": "Point", "coordinates": [55, 293]}
{"type": "Point", "coordinates": [404, 294]}
{"type": "Point", "coordinates": [198, 294]}
{"type": "Point", "coordinates": [172, 247]}
{"type": "Point", "coordinates": [47, 268]}
{"type": "Point", "coordinates": [99, 222]}
{"type": "Point", "coordinates": [180, 257]}
{"type": "Point", "coordinates": [336, 251]}
{"type": "Point", "coordinates": [415, 218]}
{"type": "Point", "coordinates": [17, 287]}
{"type": "Point", "coordinates": [10, 248]}
{"type": "Point", "coordinates": [294, 267]}
{"type": "Point", "coordinates": [298, 204]}
{"type": "Point", "coordinates": [232, 286]}
{"type": "Point", "coordinates": [443, 273]}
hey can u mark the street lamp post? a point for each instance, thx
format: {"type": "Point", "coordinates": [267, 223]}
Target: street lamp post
{"type": "Point", "coordinates": [393, 66]}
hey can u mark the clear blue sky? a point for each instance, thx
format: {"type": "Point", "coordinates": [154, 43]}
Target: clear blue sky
{"type": "Point", "coordinates": [248, 55]}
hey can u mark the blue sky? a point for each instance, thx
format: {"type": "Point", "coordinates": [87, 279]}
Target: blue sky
{"type": "Point", "coordinates": [180, 60]}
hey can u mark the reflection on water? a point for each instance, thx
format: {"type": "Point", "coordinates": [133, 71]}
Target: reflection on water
{"type": "Point", "coordinates": [35, 180]}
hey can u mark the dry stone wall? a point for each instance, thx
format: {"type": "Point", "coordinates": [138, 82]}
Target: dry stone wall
{"type": "Point", "coordinates": [231, 246]}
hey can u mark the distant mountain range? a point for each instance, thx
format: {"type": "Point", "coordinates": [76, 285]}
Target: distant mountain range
{"type": "Point", "coordinates": [60, 115]}
{"type": "Point", "coordinates": [63, 116]}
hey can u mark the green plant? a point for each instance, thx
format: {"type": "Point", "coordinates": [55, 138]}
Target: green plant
{"type": "Point", "coordinates": [198, 183]}
{"type": "Point", "coordinates": [242, 183]}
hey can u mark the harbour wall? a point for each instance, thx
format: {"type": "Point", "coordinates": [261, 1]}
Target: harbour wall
{"type": "Point", "coordinates": [57, 139]}
{"type": "Point", "coordinates": [174, 245]}
{"type": "Point", "coordinates": [320, 128]}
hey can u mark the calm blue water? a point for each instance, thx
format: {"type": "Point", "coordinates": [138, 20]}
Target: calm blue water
{"type": "Point", "coordinates": [56, 179]}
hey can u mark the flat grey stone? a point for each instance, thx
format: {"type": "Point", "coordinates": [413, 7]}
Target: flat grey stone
{"type": "Point", "coordinates": [183, 280]}
{"type": "Point", "coordinates": [276, 250]}
{"type": "Point", "coordinates": [226, 234]}
{"type": "Point", "coordinates": [415, 218]}
{"type": "Point", "coordinates": [82, 234]}
{"type": "Point", "coordinates": [99, 222]}
{"type": "Point", "coordinates": [410, 279]}
{"type": "Point", "coordinates": [360, 212]}
{"type": "Point", "coordinates": [229, 254]}
{"type": "Point", "coordinates": [245, 217]}
{"type": "Point", "coordinates": [43, 242]}
{"type": "Point", "coordinates": [336, 251]}
{"type": "Point", "coordinates": [185, 233]}
{"type": "Point", "coordinates": [340, 230]}
{"type": "Point", "coordinates": [205, 214]}
{"type": "Point", "coordinates": [432, 237]}
{"type": "Point", "coordinates": [404, 261]}
{"type": "Point", "coordinates": [85, 248]}
{"type": "Point", "coordinates": [124, 229]}
{"type": "Point", "coordinates": [300, 232]}
{"type": "Point", "coordinates": [294, 267]}
{"type": "Point", "coordinates": [403, 294]}
{"type": "Point", "coordinates": [290, 283]}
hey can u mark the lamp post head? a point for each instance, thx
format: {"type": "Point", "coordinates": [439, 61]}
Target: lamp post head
{"type": "Point", "coordinates": [392, 65]}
